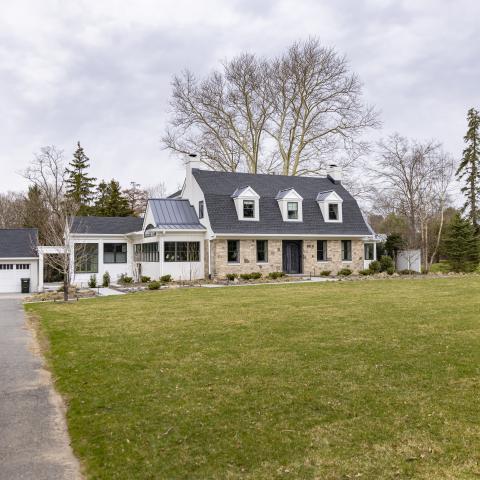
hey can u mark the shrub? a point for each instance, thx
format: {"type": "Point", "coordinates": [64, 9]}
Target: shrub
{"type": "Point", "coordinates": [124, 278]}
{"type": "Point", "coordinates": [344, 272]}
{"type": "Point", "coordinates": [155, 285]}
{"type": "Point", "coordinates": [106, 280]}
{"type": "Point", "coordinates": [386, 263]}
{"type": "Point", "coordinates": [407, 272]}
{"type": "Point", "coordinates": [325, 273]}
{"type": "Point", "coordinates": [375, 266]}
{"type": "Point", "coordinates": [390, 270]}
{"type": "Point", "coordinates": [275, 275]}
{"type": "Point", "coordinates": [442, 267]}
{"type": "Point", "coordinates": [246, 276]}
{"type": "Point", "coordinates": [255, 275]}
{"type": "Point", "coordinates": [166, 278]}
{"type": "Point", "coordinates": [92, 283]}
{"type": "Point", "coordinates": [145, 279]}
{"type": "Point", "coordinates": [365, 272]}
{"type": "Point", "coordinates": [231, 276]}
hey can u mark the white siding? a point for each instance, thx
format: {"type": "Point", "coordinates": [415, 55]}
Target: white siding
{"type": "Point", "coordinates": [10, 280]}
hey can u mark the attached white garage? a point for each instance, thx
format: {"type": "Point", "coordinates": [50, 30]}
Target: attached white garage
{"type": "Point", "coordinates": [18, 260]}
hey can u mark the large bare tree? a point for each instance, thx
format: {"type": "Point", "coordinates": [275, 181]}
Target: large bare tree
{"type": "Point", "coordinates": [287, 115]}
{"type": "Point", "coordinates": [413, 180]}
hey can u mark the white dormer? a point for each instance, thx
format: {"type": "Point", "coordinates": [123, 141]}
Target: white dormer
{"type": "Point", "coordinates": [330, 204]}
{"type": "Point", "coordinates": [247, 203]}
{"type": "Point", "coordinates": [290, 203]}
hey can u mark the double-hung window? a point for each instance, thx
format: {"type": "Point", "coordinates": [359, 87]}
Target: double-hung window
{"type": "Point", "coordinates": [292, 210]}
{"type": "Point", "coordinates": [346, 250]}
{"type": "Point", "coordinates": [86, 257]}
{"type": "Point", "coordinates": [333, 211]}
{"type": "Point", "coordinates": [321, 250]}
{"type": "Point", "coordinates": [114, 253]}
{"type": "Point", "coordinates": [233, 251]}
{"type": "Point", "coordinates": [248, 209]}
{"type": "Point", "coordinates": [262, 251]}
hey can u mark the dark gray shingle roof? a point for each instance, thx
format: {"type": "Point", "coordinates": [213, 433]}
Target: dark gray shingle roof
{"type": "Point", "coordinates": [106, 225]}
{"type": "Point", "coordinates": [18, 242]}
{"type": "Point", "coordinates": [219, 186]}
{"type": "Point", "coordinates": [174, 214]}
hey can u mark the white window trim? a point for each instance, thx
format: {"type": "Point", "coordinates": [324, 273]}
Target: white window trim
{"type": "Point", "coordinates": [332, 199]}
{"type": "Point", "coordinates": [283, 202]}
{"type": "Point", "coordinates": [248, 194]}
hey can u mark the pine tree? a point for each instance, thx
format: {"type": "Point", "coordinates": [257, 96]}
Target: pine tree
{"type": "Point", "coordinates": [461, 245]}
{"type": "Point", "coordinates": [110, 201]}
{"type": "Point", "coordinates": [469, 168]}
{"type": "Point", "coordinates": [79, 184]}
{"type": "Point", "coordinates": [35, 212]}
{"type": "Point", "coordinates": [101, 197]}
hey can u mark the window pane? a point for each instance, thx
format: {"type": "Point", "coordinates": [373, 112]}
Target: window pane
{"type": "Point", "coordinates": [262, 250]}
{"type": "Point", "coordinates": [182, 252]}
{"type": "Point", "coordinates": [333, 211]}
{"type": "Point", "coordinates": [346, 250]}
{"type": "Point", "coordinates": [292, 210]}
{"type": "Point", "coordinates": [233, 254]}
{"type": "Point", "coordinates": [369, 251]}
{"type": "Point", "coordinates": [321, 250]}
{"type": "Point", "coordinates": [109, 257]}
{"type": "Point", "coordinates": [248, 209]}
{"type": "Point", "coordinates": [86, 257]}
{"type": "Point", "coordinates": [194, 251]}
{"type": "Point", "coordinates": [169, 254]}
{"type": "Point", "coordinates": [200, 209]}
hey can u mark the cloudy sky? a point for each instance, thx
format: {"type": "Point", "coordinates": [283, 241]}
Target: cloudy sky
{"type": "Point", "coordinates": [100, 71]}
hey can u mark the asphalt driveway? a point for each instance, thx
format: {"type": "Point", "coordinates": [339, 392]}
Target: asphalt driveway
{"type": "Point", "coordinates": [33, 439]}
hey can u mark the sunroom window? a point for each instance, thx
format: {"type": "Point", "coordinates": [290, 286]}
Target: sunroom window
{"type": "Point", "coordinates": [182, 251]}
{"type": "Point", "coordinates": [86, 257]}
{"type": "Point", "coordinates": [114, 253]}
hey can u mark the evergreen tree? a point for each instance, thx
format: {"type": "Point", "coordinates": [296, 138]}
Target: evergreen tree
{"type": "Point", "coordinates": [116, 203]}
{"type": "Point", "coordinates": [461, 245]}
{"type": "Point", "coordinates": [469, 168]}
{"type": "Point", "coordinates": [35, 212]}
{"type": "Point", "coordinates": [100, 208]}
{"type": "Point", "coordinates": [79, 184]}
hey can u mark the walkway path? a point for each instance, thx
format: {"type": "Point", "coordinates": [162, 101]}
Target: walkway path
{"type": "Point", "coordinates": [34, 443]}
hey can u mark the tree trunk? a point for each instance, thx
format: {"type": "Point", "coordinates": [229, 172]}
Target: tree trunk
{"type": "Point", "coordinates": [65, 288]}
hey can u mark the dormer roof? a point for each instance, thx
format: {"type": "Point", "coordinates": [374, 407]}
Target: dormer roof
{"type": "Point", "coordinates": [245, 191]}
{"type": "Point", "coordinates": [288, 193]}
{"type": "Point", "coordinates": [328, 195]}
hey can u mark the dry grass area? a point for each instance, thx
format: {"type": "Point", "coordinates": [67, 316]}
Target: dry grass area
{"type": "Point", "coordinates": [370, 380]}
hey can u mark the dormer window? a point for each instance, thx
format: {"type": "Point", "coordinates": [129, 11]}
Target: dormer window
{"type": "Point", "coordinates": [247, 203]}
{"type": "Point", "coordinates": [330, 204]}
{"type": "Point", "coordinates": [249, 209]}
{"type": "Point", "coordinates": [290, 204]}
{"type": "Point", "coordinates": [333, 211]}
{"type": "Point", "coordinates": [292, 210]}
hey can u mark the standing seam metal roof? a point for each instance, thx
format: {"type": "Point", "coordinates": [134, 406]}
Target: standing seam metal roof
{"type": "Point", "coordinates": [176, 214]}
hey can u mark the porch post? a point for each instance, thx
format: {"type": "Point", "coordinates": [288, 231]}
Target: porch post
{"type": "Point", "coordinates": [40, 271]}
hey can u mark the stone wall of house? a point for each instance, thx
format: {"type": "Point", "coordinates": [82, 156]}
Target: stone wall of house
{"type": "Point", "coordinates": [334, 252]}
{"type": "Point", "coordinates": [248, 258]}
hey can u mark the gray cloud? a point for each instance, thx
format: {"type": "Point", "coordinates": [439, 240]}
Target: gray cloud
{"type": "Point", "coordinates": [100, 72]}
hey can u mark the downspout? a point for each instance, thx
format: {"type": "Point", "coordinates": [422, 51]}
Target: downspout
{"type": "Point", "coordinates": [209, 260]}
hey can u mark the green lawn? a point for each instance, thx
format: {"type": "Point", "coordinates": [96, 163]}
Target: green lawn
{"type": "Point", "coordinates": [370, 380]}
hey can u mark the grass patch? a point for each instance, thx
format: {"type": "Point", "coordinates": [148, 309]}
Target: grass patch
{"type": "Point", "coordinates": [310, 381]}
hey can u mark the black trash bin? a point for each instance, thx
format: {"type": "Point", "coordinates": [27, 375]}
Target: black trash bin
{"type": "Point", "coordinates": [25, 285]}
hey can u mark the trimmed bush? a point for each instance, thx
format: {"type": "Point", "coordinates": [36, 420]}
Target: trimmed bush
{"type": "Point", "coordinates": [92, 283]}
{"type": "Point", "coordinates": [231, 276]}
{"type": "Point", "coordinates": [375, 266]}
{"type": "Point", "coordinates": [386, 263]}
{"type": "Point", "coordinates": [407, 272]}
{"type": "Point", "coordinates": [325, 273]}
{"type": "Point", "coordinates": [145, 279]}
{"type": "Point", "coordinates": [275, 275]}
{"type": "Point", "coordinates": [124, 278]}
{"type": "Point", "coordinates": [246, 276]}
{"type": "Point", "coordinates": [106, 280]}
{"type": "Point", "coordinates": [365, 272]}
{"type": "Point", "coordinates": [390, 270]}
{"type": "Point", "coordinates": [166, 278]}
{"type": "Point", "coordinates": [442, 267]}
{"type": "Point", "coordinates": [155, 285]}
{"type": "Point", "coordinates": [344, 272]}
{"type": "Point", "coordinates": [255, 275]}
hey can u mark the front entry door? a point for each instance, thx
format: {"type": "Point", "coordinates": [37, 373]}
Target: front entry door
{"type": "Point", "coordinates": [292, 256]}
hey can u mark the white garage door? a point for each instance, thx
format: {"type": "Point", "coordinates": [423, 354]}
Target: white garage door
{"type": "Point", "coordinates": [11, 275]}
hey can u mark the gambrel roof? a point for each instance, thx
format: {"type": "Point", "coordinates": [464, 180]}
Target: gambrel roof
{"type": "Point", "coordinates": [219, 186]}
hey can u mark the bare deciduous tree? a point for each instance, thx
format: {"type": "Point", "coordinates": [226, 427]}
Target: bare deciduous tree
{"type": "Point", "coordinates": [285, 115]}
{"type": "Point", "coordinates": [413, 182]}
{"type": "Point", "coordinates": [11, 210]}
{"type": "Point", "coordinates": [137, 198]}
